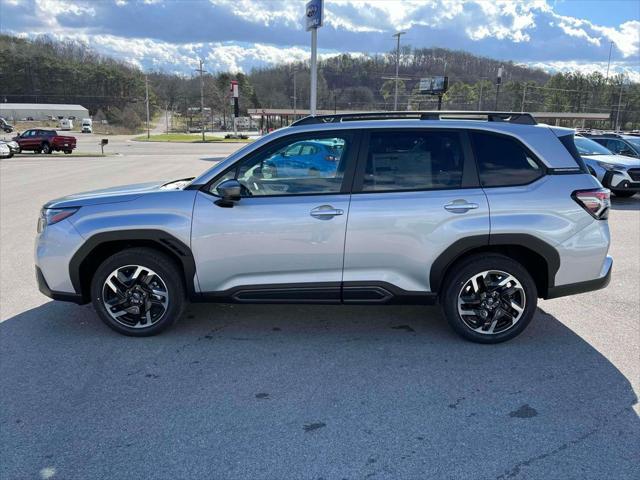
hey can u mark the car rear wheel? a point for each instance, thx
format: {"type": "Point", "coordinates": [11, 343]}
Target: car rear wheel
{"type": "Point", "coordinates": [138, 292]}
{"type": "Point", "coordinates": [67, 152]}
{"type": "Point", "coordinates": [46, 148]}
{"type": "Point", "coordinates": [489, 298]}
{"type": "Point", "coordinates": [623, 193]}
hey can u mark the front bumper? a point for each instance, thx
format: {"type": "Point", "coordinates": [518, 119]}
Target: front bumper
{"type": "Point", "coordinates": [622, 180]}
{"type": "Point", "coordinates": [62, 296]}
{"type": "Point", "coordinates": [582, 287]}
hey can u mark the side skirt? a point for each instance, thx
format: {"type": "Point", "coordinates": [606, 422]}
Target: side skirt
{"type": "Point", "coordinates": [362, 293]}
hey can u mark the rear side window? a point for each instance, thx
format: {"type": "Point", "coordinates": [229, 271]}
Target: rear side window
{"type": "Point", "coordinates": [503, 161]}
{"type": "Point", "coordinates": [413, 160]}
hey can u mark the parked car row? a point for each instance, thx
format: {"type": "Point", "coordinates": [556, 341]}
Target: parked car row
{"type": "Point", "coordinates": [616, 171]}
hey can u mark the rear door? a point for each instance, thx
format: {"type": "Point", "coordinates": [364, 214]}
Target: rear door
{"type": "Point", "coordinates": [415, 193]}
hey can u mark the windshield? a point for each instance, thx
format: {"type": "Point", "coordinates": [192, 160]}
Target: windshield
{"type": "Point", "coordinates": [586, 146]}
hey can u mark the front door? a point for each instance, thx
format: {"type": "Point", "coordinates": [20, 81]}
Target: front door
{"type": "Point", "coordinates": [284, 239]}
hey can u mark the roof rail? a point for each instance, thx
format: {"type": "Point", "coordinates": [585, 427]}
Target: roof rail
{"type": "Point", "coordinates": [509, 117]}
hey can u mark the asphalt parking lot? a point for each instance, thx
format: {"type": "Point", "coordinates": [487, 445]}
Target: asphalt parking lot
{"type": "Point", "coordinates": [303, 392]}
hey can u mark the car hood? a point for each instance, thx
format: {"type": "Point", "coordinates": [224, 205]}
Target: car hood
{"type": "Point", "coordinates": [123, 193]}
{"type": "Point", "coordinates": [623, 160]}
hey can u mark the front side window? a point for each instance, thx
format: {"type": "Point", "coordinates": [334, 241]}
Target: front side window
{"type": "Point", "coordinates": [413, 160]}
{"type": "Point", "coordinates": [503, 161]}
{"type": "Point", "coordinates": [297, 167]}
{"type": "Point", "coordinates": [620, 147]}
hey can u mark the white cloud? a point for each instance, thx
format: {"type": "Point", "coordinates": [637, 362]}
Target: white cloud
{"type": "Point", "coordinates": [588, 67]}
{"type": "Point", "coordinates": [626, 38]}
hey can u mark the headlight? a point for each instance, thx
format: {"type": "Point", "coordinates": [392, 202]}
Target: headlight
{"type": "Point", "coordinates": [49, 216]}
{"type": "Point", "coordinates": [611, 166]}
{"type": "Point", "coordinates": [13, 144]}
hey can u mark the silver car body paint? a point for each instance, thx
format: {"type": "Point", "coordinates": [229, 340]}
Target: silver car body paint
{"type": "Point", "coordinates": [391, 237]}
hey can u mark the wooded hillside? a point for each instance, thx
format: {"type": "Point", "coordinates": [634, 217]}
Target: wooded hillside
{"type": "Point", "coordinates": [47, 71]}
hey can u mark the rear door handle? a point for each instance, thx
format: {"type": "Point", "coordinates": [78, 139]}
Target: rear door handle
{"type": "Point", "coordinates": [460, 206]}
{"type": "Point", "coordinates": [325, 212]}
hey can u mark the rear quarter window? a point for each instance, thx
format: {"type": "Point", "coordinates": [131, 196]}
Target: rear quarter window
{"type": "Point", "coordinates": [503, 161]}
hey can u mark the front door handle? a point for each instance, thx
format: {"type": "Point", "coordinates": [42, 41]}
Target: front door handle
{"type": "Point", "coordinates": [460, 206]}
{"type": "Point", "coordinates": [325, 212]}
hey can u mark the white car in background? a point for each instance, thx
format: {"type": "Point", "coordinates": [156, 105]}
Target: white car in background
{"type": "Point", "coordinates": [619, 173]}
{"type": "Point", "coordinates": [5, 151]}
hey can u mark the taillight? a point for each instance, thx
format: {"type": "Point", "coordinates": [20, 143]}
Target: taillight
{"type": "Point", "coordinates": [597, 201]}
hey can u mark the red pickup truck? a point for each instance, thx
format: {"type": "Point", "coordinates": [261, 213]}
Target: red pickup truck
{"type": "Point", "coordinates": [45, 141]}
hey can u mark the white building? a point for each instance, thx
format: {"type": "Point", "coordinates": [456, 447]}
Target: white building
{"type": "Point", "coordinates": [14, 112]}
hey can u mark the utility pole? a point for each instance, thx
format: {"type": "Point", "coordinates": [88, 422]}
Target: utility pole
{"type": "Point", "coordinates": [166, 118]}
{"type": "Point", "coordinates": [395, 95]}
{"type": "Point", "coordinates": [480, 97]}
{"type": "Point", "coordinates": [609, 62]}
{"type": "Point", "coordinates": [619, 104]}
{"type": "Point", "coordinates": [202, 124]}
{"type": "Point", "coordinates": [524, 95]}
{"type": "Point", "coordinates": [295, 98]}
{"type": "Point", "coordinates": [146, 101]}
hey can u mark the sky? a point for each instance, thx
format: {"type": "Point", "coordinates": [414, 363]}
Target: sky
{"type": "Point", "coordinates": [238, 35]}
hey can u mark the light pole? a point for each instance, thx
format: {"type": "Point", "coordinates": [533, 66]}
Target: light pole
{"type": "Point", "coordinates": [609, 61]}
{"type": "Point", "coordinates": [395, 95]}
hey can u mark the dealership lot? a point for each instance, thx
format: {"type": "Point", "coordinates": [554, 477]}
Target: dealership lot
{"type": "Point", "coordinates": [302, 391]}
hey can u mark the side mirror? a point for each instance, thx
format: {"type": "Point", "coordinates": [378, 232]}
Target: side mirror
{"type": "Point", "coordinates": [230, 191]}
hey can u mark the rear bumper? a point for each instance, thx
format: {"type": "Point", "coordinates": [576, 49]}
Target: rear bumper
{"type": "Point", "coordinates": [62, 296]}
{"type": "Point", "coordinates": [582, 287]}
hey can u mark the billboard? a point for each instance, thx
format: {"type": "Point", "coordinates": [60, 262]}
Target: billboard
{"type": "Point", "coordinates": [434, 85]}
{"type": "Point", "coordinates": [313, 14]}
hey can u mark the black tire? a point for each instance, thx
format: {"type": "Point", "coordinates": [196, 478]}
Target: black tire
{"type": "Point", "coordinates": [67, 152]}
{"type": "Point", "coordinates": [462, 272]}
{"type": "Point", "coordinates": [623, 193]}
{"type": "Point", "coordinates": [151, 259]}
{"type": "Point", "coordinates": [45, 148]}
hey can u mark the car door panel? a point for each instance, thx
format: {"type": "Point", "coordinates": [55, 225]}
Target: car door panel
{"type": "Point", "coordinates": [394, 237]}
{"type": "Point", "coordinates": [268, 241]}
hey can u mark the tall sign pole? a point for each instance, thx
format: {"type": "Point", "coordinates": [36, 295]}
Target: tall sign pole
{"type": "Point", "coordinates": [313, 16]}
{"type": "Point", "coordinates": [235, 94]}
{"type": "Point", "coordinates": [498, 83]}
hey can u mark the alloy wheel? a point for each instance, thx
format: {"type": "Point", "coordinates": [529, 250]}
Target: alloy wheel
{"type": "Point", "coordinates": [491, 302]}
{"type": "Point", "coordinates": [135, 296]}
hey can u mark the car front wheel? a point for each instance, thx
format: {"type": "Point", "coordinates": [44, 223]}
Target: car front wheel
{"type": "Point", "coordinates": [138, 292]}
{"type": "Point", "coordinates": [489, 298]}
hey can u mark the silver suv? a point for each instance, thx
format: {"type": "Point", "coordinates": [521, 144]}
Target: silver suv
{"type": "Point", "coordinates": [484, 213]}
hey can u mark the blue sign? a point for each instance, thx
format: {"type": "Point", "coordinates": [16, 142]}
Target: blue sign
{"type": "Point", "coordinates": [313, 14]}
